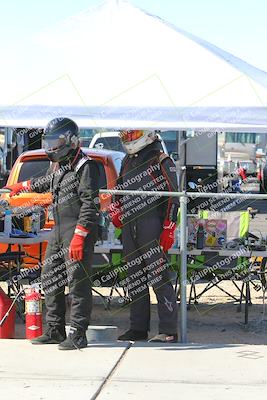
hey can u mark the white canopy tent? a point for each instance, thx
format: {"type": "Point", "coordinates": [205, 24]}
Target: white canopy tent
{"type": "Point", "coordinates": [118, 66]}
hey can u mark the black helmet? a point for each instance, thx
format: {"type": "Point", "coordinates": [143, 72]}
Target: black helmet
{"type": "Point", "coordinates": [61, 137]}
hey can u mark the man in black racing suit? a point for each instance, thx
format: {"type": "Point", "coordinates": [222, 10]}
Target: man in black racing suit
{"type": "Point", "coordinates": [148, 225]}
{"type": "Point", "coordinates": [73, 182]}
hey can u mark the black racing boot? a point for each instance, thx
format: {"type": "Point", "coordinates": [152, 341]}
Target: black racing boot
{"type": "Point", "coordinates": [76, 340]}
{"type": "Point", "coordinates": [133, 336]}
{"type": "Point", "coordinates": [52, 335]}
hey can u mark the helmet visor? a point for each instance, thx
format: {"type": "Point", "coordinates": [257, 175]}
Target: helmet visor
{"type": "Point", "coordinates": [54, 143]}
{"type": "Point", "coordinates": [130, 136]}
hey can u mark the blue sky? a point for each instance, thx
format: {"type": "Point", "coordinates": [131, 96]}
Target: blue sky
{"type": "Point", "coordinates": [237, 26]}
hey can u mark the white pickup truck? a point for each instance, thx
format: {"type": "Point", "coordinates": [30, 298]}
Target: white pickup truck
{"type": "Point", "coordinates": [111, 141]}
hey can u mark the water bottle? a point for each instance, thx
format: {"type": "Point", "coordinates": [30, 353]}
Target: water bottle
{"type": "Point", "coordinates": [111, 233]}
{"type": "Point", "coordinates": [177, 238]}
{"type": "Point", "coordinates": [103, 225]}
{"type": "Point", "coordinates": [36, 223]}
{"type": "Point", "coordinates": [200, 237]}
{"type": "Point", "coordinates": [8, 222]}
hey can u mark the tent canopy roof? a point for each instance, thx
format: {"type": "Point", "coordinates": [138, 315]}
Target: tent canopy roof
{"type": "Point", "coordinates": [118, 66]}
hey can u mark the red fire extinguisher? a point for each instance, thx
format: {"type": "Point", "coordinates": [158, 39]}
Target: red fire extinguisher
{"type": "Point", "coordinates": [33, 314]}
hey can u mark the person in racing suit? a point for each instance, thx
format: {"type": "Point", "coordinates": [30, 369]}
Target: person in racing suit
{"type": "Point", "coordinates": [73, 182]}
{"type": "Point", "coordinates": [148, 225]}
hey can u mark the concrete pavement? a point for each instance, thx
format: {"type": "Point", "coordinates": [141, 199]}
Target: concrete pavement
{"type": "Point", "coordinates": [44, 372]}
{"type": "Point", "coordinates": [193, 371]}
{"type": "Point", "coordinates": [140, 371]}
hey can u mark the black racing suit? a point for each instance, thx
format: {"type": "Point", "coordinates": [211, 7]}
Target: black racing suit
{"type": "Point", "coordinates": [143, 217]}
{"type": "Point", "coordinates": [74, 190]}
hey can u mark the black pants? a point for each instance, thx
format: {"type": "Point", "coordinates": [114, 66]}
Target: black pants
{"type": "Point", "coordinates": [59, 271]}
{"type": "Point", "coordinates": [147, 266]}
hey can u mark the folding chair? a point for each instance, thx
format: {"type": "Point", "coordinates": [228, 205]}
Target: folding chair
{"type": "Point", "coordinates": [235, 269]}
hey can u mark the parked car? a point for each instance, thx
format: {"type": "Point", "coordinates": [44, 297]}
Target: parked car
{"type": "Point", "coordinates": [111, 141]}
{"type": "Point", "coordinates": [35, 163]}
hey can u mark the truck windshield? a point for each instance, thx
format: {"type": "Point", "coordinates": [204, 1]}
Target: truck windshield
{"type": "Point", "coordinates": [38, 168]}
{"type": "Point", "coordinates": [110, 143]}
{"type": "Point", "coordinates": [33, 169]}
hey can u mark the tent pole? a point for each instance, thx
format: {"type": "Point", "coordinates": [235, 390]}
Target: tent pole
{"type": "Point", "coordinates": [183, 272]}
